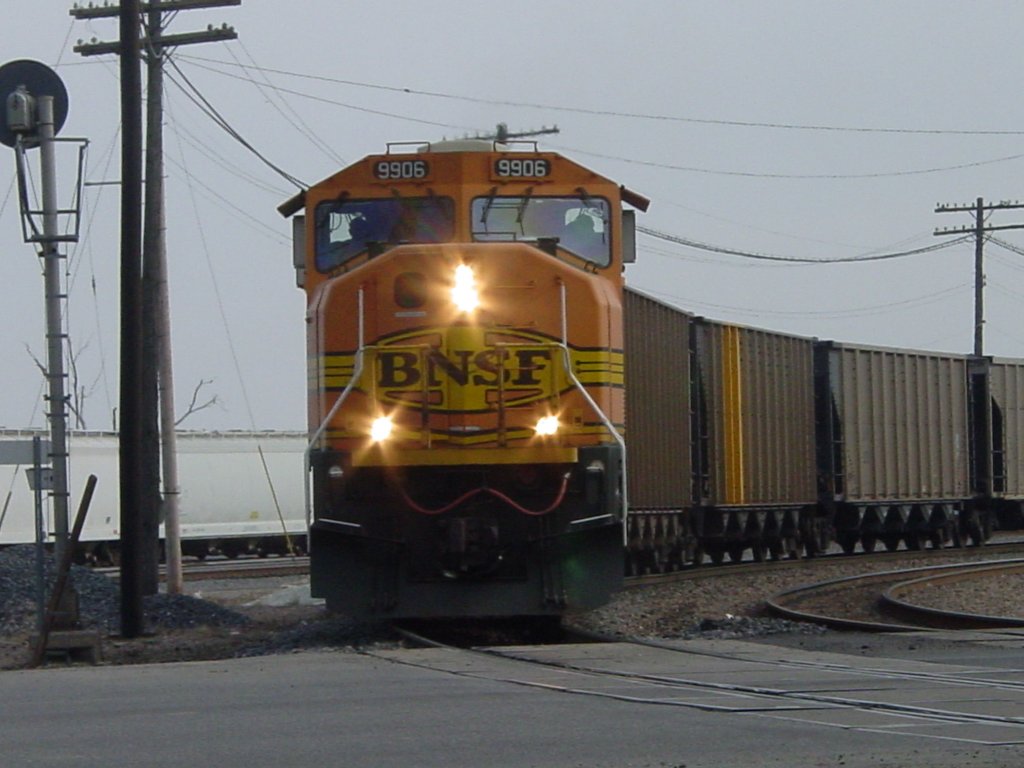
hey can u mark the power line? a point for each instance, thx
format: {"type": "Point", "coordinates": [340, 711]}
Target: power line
{"type": "Point", "coordinates": [679, 240]}
{"type": "Point", "coordinates": [335, 102]}
{"type": "Point", "coordinates": [292, 116]}
{"type": "Point", "coordinates": [207, 108]}
{"type": "Point", "coordinates": [631, 115]}
{"type": "Point", "coordinates": [911, 303]}
{"type": "Point", "coordinates": [1008, 246]}
{"type": "Point", "coordinates": [758, 175]}
{"type": "Point", "coordinates": [197, 144]}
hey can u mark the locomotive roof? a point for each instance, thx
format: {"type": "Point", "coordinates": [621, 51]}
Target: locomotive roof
{"type": "Point", "coordinates": [297, 202]}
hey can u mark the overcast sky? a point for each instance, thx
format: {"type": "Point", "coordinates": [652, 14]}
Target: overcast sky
{"type": "Point", "coordinates": [815, 130]}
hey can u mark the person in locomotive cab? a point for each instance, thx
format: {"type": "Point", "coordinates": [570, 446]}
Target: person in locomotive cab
{"type": "Point", "coordinates": [360, 231]}
{"type": "Point", "coordinates": [581, 236]}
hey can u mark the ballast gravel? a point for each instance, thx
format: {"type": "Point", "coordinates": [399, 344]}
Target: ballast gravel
{"type": "Point", "coordinates": [222, 620]}
{"type": "Point", "coordinates": [99, 599]}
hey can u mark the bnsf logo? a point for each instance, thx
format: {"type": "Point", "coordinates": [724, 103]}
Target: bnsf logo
{"type": "Point", "coordinates": [465, 369]}
{"type": "Point", "coordinates": [522, 368]}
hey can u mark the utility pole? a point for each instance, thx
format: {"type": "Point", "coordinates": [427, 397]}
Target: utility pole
{"type": "Point", "coordinates": [130, 426]}
{"type": "Point", "coordinates": [156, 377]}
{"type": "Point", "coordinates": [979, 229]}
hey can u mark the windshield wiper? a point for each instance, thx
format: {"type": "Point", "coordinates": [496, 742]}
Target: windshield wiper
{"type": "Point", "coordinates": [487, 206]}
{"type": "Point", "coordinates": [521, 209]}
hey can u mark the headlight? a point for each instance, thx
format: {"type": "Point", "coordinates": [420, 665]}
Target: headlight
{"type": "Point", "coordinates": [380, 430]}
{"type": "Point", "coordinates": [464, 293]}
{"type": "Point", "coordinates": [547, 425]}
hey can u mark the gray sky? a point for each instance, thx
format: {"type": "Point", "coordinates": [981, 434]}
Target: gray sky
{"type": "Point", "coordinates": [681, 101]}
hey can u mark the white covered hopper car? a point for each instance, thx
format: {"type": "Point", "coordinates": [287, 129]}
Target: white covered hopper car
{"type": "Point", "coordinates": [241, 492]}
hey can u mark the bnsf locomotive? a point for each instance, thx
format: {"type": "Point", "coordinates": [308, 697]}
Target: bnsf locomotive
{"type": "Point", "coordinates": [474, 359]}
{"type": "Point", "coordinates": [466, 411]}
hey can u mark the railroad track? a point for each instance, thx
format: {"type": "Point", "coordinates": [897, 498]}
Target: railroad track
{"type": "Point", "coordinates": [1007, 546]}
{"type": "Point", "coordinates": [197, 570]}
{"type": "Point", "coordinates": [881, 602]}
{"type": "Point", "coordinates": [643, 673]}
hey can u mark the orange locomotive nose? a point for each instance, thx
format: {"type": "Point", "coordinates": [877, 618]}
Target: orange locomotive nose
{"type": "Point", "coordinates": [465, 331]}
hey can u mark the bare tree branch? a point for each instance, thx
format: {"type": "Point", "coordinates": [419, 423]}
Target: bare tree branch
{"type": "Point", "coordinates": [195, 406]}
{"type": "Point", "coordinates": [36, 360]}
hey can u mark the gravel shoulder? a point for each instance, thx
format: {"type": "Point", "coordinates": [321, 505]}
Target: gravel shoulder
{"type": "Point", "coordinates": [248, 617]}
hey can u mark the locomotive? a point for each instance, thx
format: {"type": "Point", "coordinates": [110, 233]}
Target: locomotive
{"type": "Point", "coordinates": [465, 391]}
{"type": "Point", "coordinates": [474, 360]}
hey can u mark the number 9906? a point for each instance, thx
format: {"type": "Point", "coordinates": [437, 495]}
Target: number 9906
{"type": "Point", "coordinates": [521, 168]}
{"type": "Point", "coordinates": [401, 169]}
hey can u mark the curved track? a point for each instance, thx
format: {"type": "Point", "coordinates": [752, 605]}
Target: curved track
{"type": "Point", "coordinates": [1009, 547]}
{"type": "Point", "coordinates": [857, 602]}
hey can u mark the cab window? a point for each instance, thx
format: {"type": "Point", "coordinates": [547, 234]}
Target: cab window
{"type": "Point", "coordinates": [344, 228]}
{"type": "Point", "coordinates": [580, 224]}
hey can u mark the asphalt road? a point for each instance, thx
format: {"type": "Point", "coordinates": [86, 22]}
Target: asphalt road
{"type": "Point", "coordinates": [346, 709]}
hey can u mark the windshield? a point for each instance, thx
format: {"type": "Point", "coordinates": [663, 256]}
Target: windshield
{"type": "Point", "coordinates": [343, 228]}
{"type": "Point", "coordinates": [580, 224]}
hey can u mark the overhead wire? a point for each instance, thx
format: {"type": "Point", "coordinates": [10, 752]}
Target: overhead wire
{"type": "Point", "coordinates": [764, 175]}
{"type": "Point", "coordinates": [211, 193]}
{"type": "Point", "coordinates": [632, 115]}
{"type": "Point", "coordinates": [216, 289]}
{"type": "Point", "coordinates": [664, 202]}
{"type": "Point", "coordinates": [912, 303]}
{"type": "Point", "coordinates": [1007, 245]}
{"type": "Point", "coordinates": [196, 96]}
{"type": "Point", "coordinates": [196, 143]}
{"type": "Point", "coordinates": [620, 158]}
{"type": "Point", "coordinates": [335, 102]}
{"type": "Point", "coordinates": [690, 243]}
{"type": "Point", "coordinates": [294, 117]}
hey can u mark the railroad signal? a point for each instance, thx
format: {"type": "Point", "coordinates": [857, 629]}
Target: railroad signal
{"type": "Point", "coordinates": [35, 104]}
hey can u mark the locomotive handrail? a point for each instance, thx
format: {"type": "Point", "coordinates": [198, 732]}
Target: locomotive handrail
{"type": "Point", "coordinates": [502, 346]}
{"type": "Point", "coordinates": [357, 372]}
{"type": "Point", "coordinates": [567, 361]}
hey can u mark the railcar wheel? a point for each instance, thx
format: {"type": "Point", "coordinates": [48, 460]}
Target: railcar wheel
{"type": "Point", "coordinates": [891, 541]}
{"type": "Point", "coordinates": [913, 541]}
{"type": "Point", "coordinates": [791, 545]}
{"type": "Point", "coordinates": [717, 556]}
{"type": "Point", "coordinates": [698, 556]}
{"type": "Point", "coordinates": [867, 542]}
{"type": "Point", "coordinates": [629, 564]}
{"type": "Point", "coordinates": [230, 550]}
{"type": "Point", "coordinates": [974, 534]}
{"type": "Point", "coordinates": [848, 541]}
{"type": "Point", "coordinates": [736, 553]}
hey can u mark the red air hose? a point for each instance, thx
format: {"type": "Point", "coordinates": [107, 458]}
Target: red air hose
{"type": "Point", "coordinates": [470, 494]}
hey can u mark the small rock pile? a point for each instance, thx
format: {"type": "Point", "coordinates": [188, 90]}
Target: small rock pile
{"type": "Point", "coordinates": [99, 599]}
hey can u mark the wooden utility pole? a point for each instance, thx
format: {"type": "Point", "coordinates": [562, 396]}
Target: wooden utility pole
{"type": "Point", "coordinates": [979, 229]}
{"type": "Point", "coordinates": [130, 426]}
{"type": "Point", "coordinates": [155, 380]}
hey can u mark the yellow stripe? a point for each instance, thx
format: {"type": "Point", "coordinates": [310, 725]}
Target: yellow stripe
{"type": "Point", "coordinates": [598, 367]}
{"type": "Point", "coordinates": [732, 390]}
{"type": "Point", "coordinates": [592, 367]}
